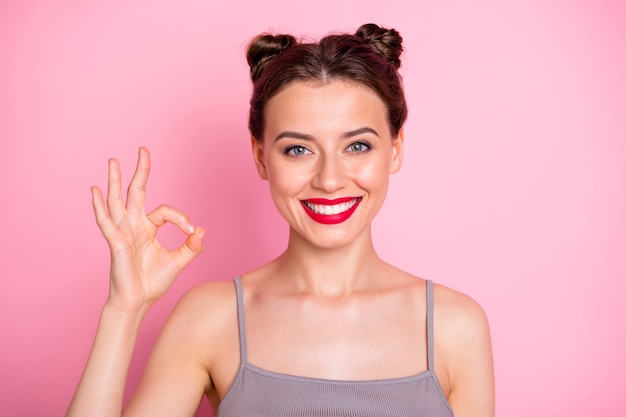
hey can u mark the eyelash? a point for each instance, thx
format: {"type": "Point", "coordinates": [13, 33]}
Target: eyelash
{"type": "Point", "coordinates": [365, 147]}
{"type": "Point", "coordinates": [290, 150]}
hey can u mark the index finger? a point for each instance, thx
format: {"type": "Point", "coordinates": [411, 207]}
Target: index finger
{"type": "Point", "coordinates": [136, 197]}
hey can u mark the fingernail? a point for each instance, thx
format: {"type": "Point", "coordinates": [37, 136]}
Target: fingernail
{"type": "Point", "coordinates": [190, 228]}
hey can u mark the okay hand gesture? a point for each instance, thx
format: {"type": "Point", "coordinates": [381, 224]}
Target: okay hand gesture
{"type": "Point", "coordinates": [141, 269]}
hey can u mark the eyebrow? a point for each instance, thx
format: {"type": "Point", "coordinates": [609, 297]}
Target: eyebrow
{"type": "Point", "coordinates": [303, 136]}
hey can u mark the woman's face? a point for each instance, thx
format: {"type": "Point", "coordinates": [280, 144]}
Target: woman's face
{"type": "Point", "coordinates": [327, 153]}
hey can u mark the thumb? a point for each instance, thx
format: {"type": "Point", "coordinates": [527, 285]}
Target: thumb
{"type": "Point", "coordinates": [190, 249]}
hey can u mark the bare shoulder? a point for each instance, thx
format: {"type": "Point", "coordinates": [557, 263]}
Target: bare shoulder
{"type": "Point", "coordinates": [204, 307]}
{"type": "Point", "coordinates": [464, 362]}
{"type": "Point", "coordinates": [461, 328]}
{"type": "Point", "coordinates": [194, 355]}
{"type": "Point", "coordinates": [204, 326]}
{"type": "Point", "coordinates": [207, 313]}
{"type": "Point", "coordinates": [215, 297]}
{"type": "Point", "coordinates": [458, 315]}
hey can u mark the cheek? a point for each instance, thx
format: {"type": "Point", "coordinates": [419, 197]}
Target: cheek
{"type": "Point", "coordinates": [286, 181]}
{"type": "Point", "coordinates": [373, 176]}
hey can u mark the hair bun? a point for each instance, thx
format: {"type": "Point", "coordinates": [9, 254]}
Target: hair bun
{"type": "Point", "coordinates": [386, 42]}
{"type": "Point", "coordinates": [263, 49]}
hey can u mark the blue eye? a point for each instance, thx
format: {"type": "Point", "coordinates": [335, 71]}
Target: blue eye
{"type": "Point", "coordinates": [359, 147]}
{"type": "Point", "coordinates": [296, 150]}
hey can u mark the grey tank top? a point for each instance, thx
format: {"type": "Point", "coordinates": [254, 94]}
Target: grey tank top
{"type": "Point", "coordinates": [257, 392]}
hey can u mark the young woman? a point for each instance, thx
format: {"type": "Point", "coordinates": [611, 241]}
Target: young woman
{"type": "Point", "coordinates": [327, 328]}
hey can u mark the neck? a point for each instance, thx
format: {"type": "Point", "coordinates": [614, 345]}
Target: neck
{"type": "Point", "coordinates": [332, 272]}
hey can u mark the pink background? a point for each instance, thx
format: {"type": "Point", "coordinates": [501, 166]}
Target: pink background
{"type": "Point", "coordinates": [513, 188]}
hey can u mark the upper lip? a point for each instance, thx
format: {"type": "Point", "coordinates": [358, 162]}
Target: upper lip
{"type": "Point", "coordinates": [328, 202]}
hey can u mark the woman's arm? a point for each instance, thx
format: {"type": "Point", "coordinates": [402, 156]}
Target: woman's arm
{"type": "Point", "coordinates": [193, 355]}
{"type": "Point", "coordinates": [141, 272]}
{"type": "Point", "coordinates": [101, 388]}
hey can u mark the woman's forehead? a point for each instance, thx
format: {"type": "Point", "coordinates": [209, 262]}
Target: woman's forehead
{"type": "Point", "coordinates": [326, 108]}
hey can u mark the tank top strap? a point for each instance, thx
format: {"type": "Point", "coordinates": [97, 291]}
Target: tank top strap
{"type": "Point", "coordinates": [242, 322]}
{"type": "Point", "coordinates": [430, 325]}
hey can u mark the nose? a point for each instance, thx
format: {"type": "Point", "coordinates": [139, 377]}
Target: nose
{"type": "Point", "coordinates": [331, 174]}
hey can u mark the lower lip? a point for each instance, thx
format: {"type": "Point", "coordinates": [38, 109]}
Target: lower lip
{"type": "Point", "coordinates": [331, 218]}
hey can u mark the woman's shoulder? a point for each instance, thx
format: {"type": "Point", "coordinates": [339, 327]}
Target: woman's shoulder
{"type": "Point", "coordinates": [462, 336]}
{"type": "Point", "coordinates": [463, 352]}
{"type": "Point", "coordinates": [456, 304]}
{"type": "Point", "coordinates": [206, 316]}
{"type": "Point", "coordinates": [454, 311]}
{"type": "Point", "coordinates": [214, 290]}
{"type": "Point", "coordinates": [200, 338]}
{"type": "Point", "coordinates": [206, 313]}
{"type": "Point", "coordinates": [208, 302]}
{"type": "Point", "coordinates": [457, 315]}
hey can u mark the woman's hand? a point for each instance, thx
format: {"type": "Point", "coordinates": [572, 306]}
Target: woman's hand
{"type": "Point", "coordinates": [141, 269]}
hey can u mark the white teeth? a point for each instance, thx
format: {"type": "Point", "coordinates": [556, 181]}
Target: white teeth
{"type": "Point", "coordinates": [334, 209]}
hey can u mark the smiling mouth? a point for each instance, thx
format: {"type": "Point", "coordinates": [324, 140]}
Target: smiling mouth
{"type": "Point", "coordinates": [331, 211]}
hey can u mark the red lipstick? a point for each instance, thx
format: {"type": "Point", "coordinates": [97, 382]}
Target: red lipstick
{"type": "Point", "coordinates": [326, 211]}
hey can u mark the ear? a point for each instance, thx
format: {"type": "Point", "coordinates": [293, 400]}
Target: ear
{"type": "Point", "coordinates": [257, 153]}
{"type": "Point", "coordinates": [397, 152]}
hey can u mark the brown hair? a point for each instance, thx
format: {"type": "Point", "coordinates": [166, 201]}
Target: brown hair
{"type": "Point", "coordinates": [370, 57]}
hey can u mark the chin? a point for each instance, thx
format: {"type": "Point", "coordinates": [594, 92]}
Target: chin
{"type": "Point", "coordinates": [329, 239]}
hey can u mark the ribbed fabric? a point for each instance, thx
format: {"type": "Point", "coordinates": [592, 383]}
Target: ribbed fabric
{"type": "Point", "coordinates": [256, 392]}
